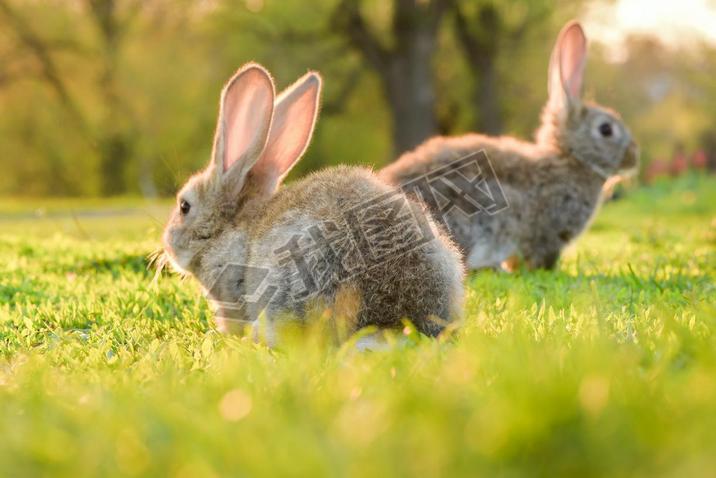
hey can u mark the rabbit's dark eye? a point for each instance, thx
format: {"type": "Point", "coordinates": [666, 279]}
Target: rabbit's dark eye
{"type": "Point", "coordinates": [184, 207]}
{"type": "Point", "coordinates": [606, 129]}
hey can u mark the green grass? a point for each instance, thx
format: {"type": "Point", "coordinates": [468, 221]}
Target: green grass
{"type": "Point", "coordinates": [606, 367]}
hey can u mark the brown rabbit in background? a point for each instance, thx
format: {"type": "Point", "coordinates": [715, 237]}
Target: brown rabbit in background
{"type": "Point", "coordinates": [234, 229]}
{"type": "Point", "coordinates": [552, 187]}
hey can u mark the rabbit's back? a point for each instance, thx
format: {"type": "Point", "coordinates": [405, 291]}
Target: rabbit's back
{"type": "Point", "coordinates": [511, 159]}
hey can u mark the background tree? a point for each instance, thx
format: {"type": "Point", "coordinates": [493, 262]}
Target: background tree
{"type": "Point", "coordinates": [106, 97]}
{"type": "Point", "coordinates": [116, 139]}
{"type": "Point", "coordinates": [405, 66]}
{"type": "Point", "coordinates": [112, 138]}
{"type": "Point", "coordinates": [485, 29]}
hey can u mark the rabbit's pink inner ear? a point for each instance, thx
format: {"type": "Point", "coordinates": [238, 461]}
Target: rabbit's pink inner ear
{"type": "Point", "coordinates": [245, 120]}
{"type": "Point", "coordinates": [567, 64]}
{"type": "Point", "coordinates": [294, 119]}
{"type": "Point", "coordinates": [573, 60]}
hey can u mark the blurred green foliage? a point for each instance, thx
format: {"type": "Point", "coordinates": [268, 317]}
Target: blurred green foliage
{"type": "Point", "coordinates": [605, 367]}
{"type": "Point", "coordinates": [107, 97]}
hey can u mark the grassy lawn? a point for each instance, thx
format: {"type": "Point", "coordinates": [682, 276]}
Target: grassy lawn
{"type": "Point", "coordinates": [606, 367]}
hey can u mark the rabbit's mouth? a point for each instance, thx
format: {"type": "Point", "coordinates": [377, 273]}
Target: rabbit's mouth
{"type": "Point", "coordinates": [180, 260]}
{"type": "Point", "coordinates": [631, 158]}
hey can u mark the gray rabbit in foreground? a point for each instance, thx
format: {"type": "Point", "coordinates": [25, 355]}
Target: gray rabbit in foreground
{"type": "Point", "coordinates": [552, 187]}
{"type": "Point", "coordinates": [339, 238]}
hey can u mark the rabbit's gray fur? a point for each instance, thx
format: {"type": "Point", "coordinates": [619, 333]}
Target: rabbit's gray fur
{"type": "Point", "coordinates": [552, 186]}
{"type": "Point", "coordinates": [239, 216]}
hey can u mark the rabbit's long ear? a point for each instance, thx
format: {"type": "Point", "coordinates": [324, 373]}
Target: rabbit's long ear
{"type": "Point", "coordinates": [294, 119]}
{"type": "Point", "coordinates": [566, 67]}
{"type": "Point", "coordinates": [244, 123]}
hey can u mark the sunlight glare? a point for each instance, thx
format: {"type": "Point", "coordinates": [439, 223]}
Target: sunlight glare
{"type": "Point", "coordinates": [677, 24]}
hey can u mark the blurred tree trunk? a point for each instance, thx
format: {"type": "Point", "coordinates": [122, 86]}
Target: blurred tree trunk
{"type": "Point", "coordinates": [480, 47]}
{"type": "Point", "coordinates": [405, 68]}
{"type": "Point", "coordinates": [112, 144]}
{"type": "Point", "coordinates": [116, 141]}
{"type": "Point", "coordinates": [483, 35]}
